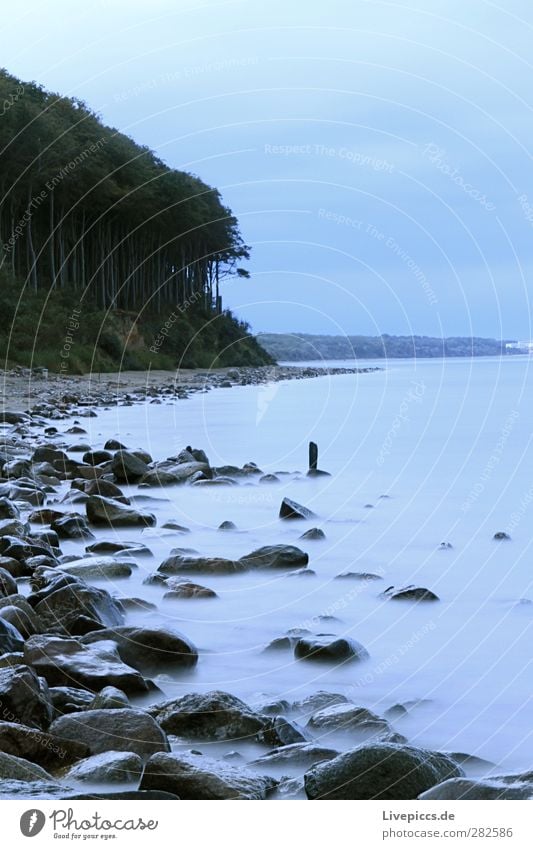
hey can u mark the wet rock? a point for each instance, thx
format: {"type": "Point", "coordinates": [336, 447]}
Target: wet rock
{"type": "Point", "coordinates": [24, 697]}
{"type": "Point", "coordinates": [379, 771]}
{"type": "Point", "coordinates": [177, 564]}
{"type": "Point", "coordinates": [8, 510]}
{"type": "Point", "coordinates": [204, 716]}
{"type": "Point", "coordinates": [314, 533]}
{"type": "Point", "coordinates": [282, 732]}
{"type": "Point", "coordinates": [358, 576]}
{"type": "Point", "coordinates": [511, 787]}
{"type": "Point", "coordinates": [128, 467]}
{"type": "Point", "coordinates": [297, 754]}
{"type": "Point", "coordinates": [148, 649]}
{"type": "Point", "coordinates": [170, 472]}
{"type": "Point", "coordinates": [114, 514]}
{"type": "Point", "coordinates": [38, 789]}
{"type": "Point", "coordinates": [113, 547]}
{"type": "Point", "coordinates": [70, 699]}
{"type": "Point", "coordinates": [336, 650]}
{"type": "Point", "coordinates": [66, 662]}
{"type": "Point", "coordinates": [174, 526]}
{"type": "Point", "coordinates": [187, 589]}
{"type": "Point", "coordinates": [410, 593]}
{"type": "Point", "coordinates": [105, 488]}
{"type": "Point", "coordinates": [114, 445]}
{"type": "Point", "coordinates": [40, 747]}
{"type": "Point", "coordinates": [292, 510]}
{"type": "Point", "coordinates": [227, 526]}
{"type": "Point", "coordinates": [110, 698]}
{"type": "Point", "coordinates": [269, 479]}
{"type": "Point", "coordinates": [501, 535]}
{"type": "Point", "coordinates": [98, 567]}
{"type": "Point", "coordinates": [319, 700]}
{"type": "Point", "coordinates": [402, 709]}
{"type": "Point", "coordinates": [363, 723]}
{"type": "Point", "coordinates": [19, 769]}
{"type": "Point", "coordinates": [445, 546]}
{"type": "Point", "coordinates": [26, 625]}
{"type": "Point", "coordinates": [66, 599]}
{"type": "Point", "coordinates": [8, 585]}
{"type": "Point", "coordinates": [276, 557]}
{"type": "Point", "coordinates": [12, 417]}
{"type": "Point", "coordinates": [108, 768]}
{"type": "Point", "coordinates": [11, 640]}
{"type": "Point", "coordinates": [95, 458]}
{"type": "Point", "coordinates": [124, 730]}
{"type": "Point", "coordinates": [72, 526]}
{"type": "Point", "coordinates": [13, 527]}
{"type": "Point", "coordinates": [198, 777]}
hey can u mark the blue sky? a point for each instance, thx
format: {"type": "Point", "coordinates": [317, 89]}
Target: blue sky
{"type": "Point", "coordinates": [377, 154]}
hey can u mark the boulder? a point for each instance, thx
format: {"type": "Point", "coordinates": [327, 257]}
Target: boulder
{"type": "Point", "coordinates": [105, 488]}
{"type": "Point", "coordinates": [148, 649]}
{"type": "Point", "coordinates": [67, 600]}
{"type": "Point", "coordinates": [8, 585]}
{"type": "Point", "coordinates": [298, 755]}
{"type": "Point", "coordinates": [64, 662]}
{"type": "Point", "coordinates": [70, 699]}
{"type": "Point", "coordinates": [332, 650]}
{"type": "Point", "coordinates": [97, 567]}
{"type": "Point", "coordinates": [110, 698]}
{"type": "Point", "coordinates": [38, 790]}
{"type": "Point", "coordinates": [20, 769]}
{"type": "Point", "coordinates": [292, 510]}
{"type": "Point", "coordinates": [209, 716]}
{"type": "Point", "coordinates": [11, 640]}
{"type": "Point", "coordinates": [108, 768]}
{"type": "Point", "coordinates": [112, 513]}
{"type": "Point", "coordinates": [170, 472]}
{"type": "Point", "coordinates": [24, 697]}
{"type": "Point", "coordinates": [25, 623]}
{"type": "Point", "coordinates": [379, 771]}
{"type": "Point", "coordinates": [410, 593]}
{"type": "Point", "coordinates": [8, 510]}
{"type": "Point", "coordinates": [276, 557]}
{"type": "Point", "coordinates": [193, 776]}
{"type": "Point", "coordinates": [124, 730]}
{"type": "Point", "coordinates": [128, 467]}
{"type": "Point", "coordinates": [314, 534]}
{"type": "Point", "coordinates": [94, 458]}
{"type": "Point", "coordinates": [364, 724]}
{"type": "Point", "coordinates": [178, 563]}
{"type": "Point", "coordinates": [491, 788]}
{"type": "Point", "coordinates": [72, 526]}
{"type": "Point", "coordinates": [187, 589]}
{"type": "Point", "coordinates": [40, 747]}
{"type": "Point", "coordinates": [317, 701]}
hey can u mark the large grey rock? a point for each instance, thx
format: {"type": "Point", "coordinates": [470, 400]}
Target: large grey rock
{"type": "Point", "coordinates": [66, 662]}
{"type": "Point", "coordinates": [72, 526]}
{"type": "Point", "coordinates": [125, 730]}
{"type": "Point", "coordinates": [298, 755]}
{"type": "Point", "coordinates": [38, 789]}
{"type": "Point", "coordinates": [8, 585]}
{"type": "Point", "coordinates": [40, 747]}
{"type": "Point", "coordinates": [410, 593]}
{"type": "Point", "coordinates": [329, 649]}
{"type": "Point", "coordinates": [179, 564]}
{"type": "Point", "coordinates": [68, 605]}
{"type": "Point", "coordinates": [379, 771]}
{"type": "Point", "coordinates": [70, 699]}
{"type": "Point", "coordinates": [490, 788]}
{"type": "Point", "coordinates": [107, 767]}
{"type": "Point", "coordinates": [24, 697]}
{"type": "Point", "coordinates": [11, 640]}
{"type": "Point", "coordinates": [19, 769]}
{"type": "Point", "coordinates": [276, 557]}
{"type": "Point", "coordinates": [174, 471]}
{"type": "Point", "coordinates": [363, 724]}
{"type": "Point", "coordinates": [215, 715]}
{"type": "Point", "coordinates": [292, 510]}
{"type": "Point", "coordinates": [192, 776]}
{"type": "Point", "coordinates": [127, 467]}
{"type": "Point", "coordinates": [98, 567]}
{"type": "Point", "coordinates": [148, 649]}
{"type": "Point", "coordinates": [25, 623]}
{"type": "Point", "coordinates": [112, 513]}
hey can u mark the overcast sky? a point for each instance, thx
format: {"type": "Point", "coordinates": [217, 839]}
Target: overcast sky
{"type": "Point", "coordinates": [377, 154]}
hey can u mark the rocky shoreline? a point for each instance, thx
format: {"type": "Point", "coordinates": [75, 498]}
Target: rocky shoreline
{"type": "Point", "coordinates": [82, 714]}
{"type": "Point", "coordinates": [30, 389]}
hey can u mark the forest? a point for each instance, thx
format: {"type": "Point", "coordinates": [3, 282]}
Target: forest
{"type": "Point", "coordinates": [303, 346]}
{"type": "Point", "coordinates": [90, 217]}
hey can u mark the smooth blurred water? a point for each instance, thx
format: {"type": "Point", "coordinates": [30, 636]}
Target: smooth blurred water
{"type": "Point", "coordinates": [448, 442]}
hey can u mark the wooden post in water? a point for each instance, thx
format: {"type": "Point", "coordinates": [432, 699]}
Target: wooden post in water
{"type": "Point", "coordinates": [313, 456]}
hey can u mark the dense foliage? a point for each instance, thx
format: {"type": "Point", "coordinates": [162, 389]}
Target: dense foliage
{"type": "Point", "coordinates": [303, 346]}
{"type": "Point", "coordinates": [91, 220]}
